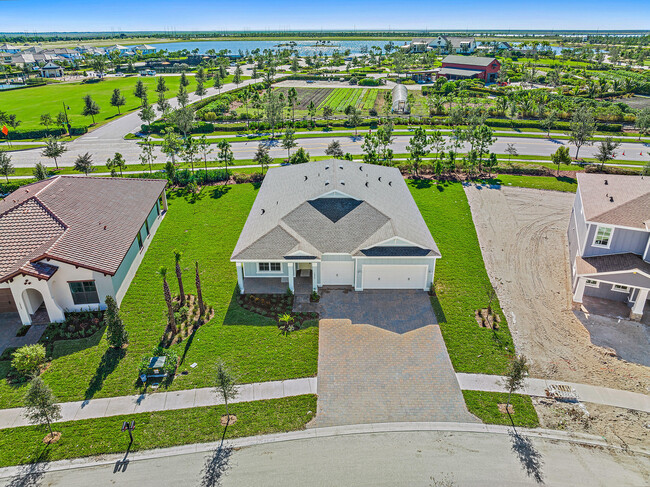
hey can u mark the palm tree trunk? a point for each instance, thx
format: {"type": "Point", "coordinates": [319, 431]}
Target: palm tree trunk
{"type": "Point", "coordinates": [199, 292]}
{"type": "Point", "coordinates": [170, 309]}
{"type": "Point", "coordinates": [179, 276]}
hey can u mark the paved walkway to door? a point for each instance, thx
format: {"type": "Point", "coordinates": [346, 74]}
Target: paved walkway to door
{"type": "Point", "coordinates": [395, 367]}
{"type": "Point", "coordinates": [9, 325]}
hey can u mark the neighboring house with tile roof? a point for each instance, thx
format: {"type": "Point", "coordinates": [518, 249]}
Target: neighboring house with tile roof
{"type": "Point", "coordinates": [609, 240]}
{"type": "Point", "coordinates": [337, 223]}
{"type": "Point", "coordinates": [68, 242]}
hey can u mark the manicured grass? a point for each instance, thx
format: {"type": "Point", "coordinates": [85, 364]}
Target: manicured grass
{"type": "Point", "coordinates": [205, 230]}
{"type": "Point", "coordinates": [30, 103]}
{"type": "Point", "coordinates": [460, 281]}
{"type": "Point", "coordinates": [155, 430]}
{"type": "Point", "coordinates": [538, 182]}
{"type": "Point", "coordinates": [484, 405]}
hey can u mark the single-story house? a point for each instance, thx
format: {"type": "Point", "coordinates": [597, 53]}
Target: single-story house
{"type": "Point", "coordinates": [334, 223]}
{"type": "Point", "coordinates": [51, 70]}
{"type": "Point", "coordinates": [68, 242]}
{"type": "Point", "coordinates": [609, 240]}
{"type": "Point", "coordinates": [144, 49]}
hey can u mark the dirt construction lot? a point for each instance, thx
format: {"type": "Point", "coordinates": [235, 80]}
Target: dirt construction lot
{"type": "Point", "coordinates": [522, 233]}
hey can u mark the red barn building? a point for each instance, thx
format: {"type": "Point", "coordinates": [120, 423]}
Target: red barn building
{"type": "Point", "coordinates": [463, 67]}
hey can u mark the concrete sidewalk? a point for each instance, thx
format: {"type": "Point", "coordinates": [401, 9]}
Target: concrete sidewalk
{"type": "Point", "coordinates": [165, 401]}
{"type": "Point", "coordinates": [537, 387]}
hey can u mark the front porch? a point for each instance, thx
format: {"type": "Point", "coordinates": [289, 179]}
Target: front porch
{"type": "Point", "coordinates": [607, 298]}
{"type": "Point", "coordinates": [277, 285]}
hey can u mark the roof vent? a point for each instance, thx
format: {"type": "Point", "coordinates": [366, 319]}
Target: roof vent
{"type": "Point", "coordinates": [606, 183]}
{"type": "Point", "coordinates": [263, 210]}
{"type": "Point", "coordinates": [104, 227]}
{"type": "Point", "coordinates": [390, 183]}
{"type": "Point", "coordinates": [305, 178]}
{"type": "Point", "coordinates": [342, 183]}
{"type": "Point", "coordinates": [366, 184]}
{"type": "Point", "coordinates": [341, 167]}
{"type": "Point", "coordinates": [379, 179]}
{"type": "Point", "coordinates": [326, 168]}
{"type": "Point", "coordinates": [360, 168]}
{"type": "Point", "coordinates": [611, 199]}
{"type": "Point", "coordinates": [327, 183]}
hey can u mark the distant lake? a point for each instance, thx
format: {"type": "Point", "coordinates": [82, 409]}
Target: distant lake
{"type": "Point", "coordinates": [4, 86]}
{"type": "Point", "coordinates": [306, 47]}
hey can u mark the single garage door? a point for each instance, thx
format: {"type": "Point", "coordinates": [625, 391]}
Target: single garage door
{"type": "Point", "coordinates": [7, 304]}
{"type": "Point", "coordinates": [394, 276]}
{"type": "Point", "coordinates": [337, 273]}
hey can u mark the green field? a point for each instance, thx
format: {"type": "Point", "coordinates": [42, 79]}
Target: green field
{"type": "Point", "coordinates": [30, 103]}
{"type": "Point", "coordinates": [340, 98]}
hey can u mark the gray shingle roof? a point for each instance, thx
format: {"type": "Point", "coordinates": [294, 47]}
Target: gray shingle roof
{"type": "Point", "coordinates": [624, 200]}
{"type": "Point", "coordinates": [611, 263]}
{"type": "Point", "coordinates": [388, 211]}
{"type": "Point", "coordinates": [469, 60]}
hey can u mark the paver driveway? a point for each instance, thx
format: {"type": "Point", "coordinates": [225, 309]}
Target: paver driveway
{"type": "Point", "coordinates": [393, 366]}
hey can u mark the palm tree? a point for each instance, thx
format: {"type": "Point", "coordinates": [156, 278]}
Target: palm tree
{"type": "Point", "coordinates": [171, 321]}
{"type": "Point", "coordinates": [179, 274]}
{"type": "Point", "coordinates": [199, 293]}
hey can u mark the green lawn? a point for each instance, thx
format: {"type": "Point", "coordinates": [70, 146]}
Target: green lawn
{"type": "Point", "coordinates": [460, 281]}
{"type": "Point", "coordinates": [155, 430]}
{"type": "Point", "coordinates": [484, 405]}
{"type": "Point", "coordinates": [30, 103]}
{"type": "Point", "coordinates": [537, 182]}
{"type": "Point", "coordinates": [206, 230]}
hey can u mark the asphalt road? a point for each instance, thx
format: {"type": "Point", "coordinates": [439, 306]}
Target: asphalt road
{"type": "Point", "coordinates": [405, 458]}
{"type": "Point", "coordinates": [105, 141]}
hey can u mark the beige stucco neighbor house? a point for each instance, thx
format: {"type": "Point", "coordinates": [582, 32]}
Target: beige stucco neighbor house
{"type": "Point", "coordinates": [334, 223]}
{"type": "Point", "coordinates": [609, 240]}
{"type": "Point", "coordinates": [68, 242]}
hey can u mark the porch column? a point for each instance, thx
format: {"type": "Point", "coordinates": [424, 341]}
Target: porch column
{"type": "Point", "coordinates": [291, 273]}
{"type": "Point", "coordinates": [580, 290]}
{"type": "Point", "coordinates": [314, 276]}
{"type": "Point", "coordinates": [636, 313]}
{"type": "Point", "coordinates": [240, 277]}
{"type": "Point", "coordinates": [17, 294]}
{"type": "Point", "coordinates": [164, 201]}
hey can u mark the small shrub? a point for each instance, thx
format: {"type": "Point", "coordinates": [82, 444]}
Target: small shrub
{"type": "Point", "coordinates": [28, 359]}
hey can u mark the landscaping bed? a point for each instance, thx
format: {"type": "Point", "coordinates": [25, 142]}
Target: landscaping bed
{"type": "Point", "coordinates": [274, 305]}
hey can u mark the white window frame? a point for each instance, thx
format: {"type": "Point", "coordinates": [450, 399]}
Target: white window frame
{"type": "Point", "coordinates": [620, 288]}
{"type": "Point", "coordinates": [270, 269]}
{"type": "Point", "coordinates": [609, 240]}
{"type": "Point", "coordinates": [593, 283]}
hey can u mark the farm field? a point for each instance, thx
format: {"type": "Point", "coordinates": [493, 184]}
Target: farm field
{"type": "Point", "coordinates": [338, 99]}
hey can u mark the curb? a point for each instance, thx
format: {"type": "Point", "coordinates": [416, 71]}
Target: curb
{"type": "Point", "coordinates": [329, 432]}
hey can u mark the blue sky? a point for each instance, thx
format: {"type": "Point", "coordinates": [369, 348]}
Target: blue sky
{"type": "Point", "coordinates": [122, 15]}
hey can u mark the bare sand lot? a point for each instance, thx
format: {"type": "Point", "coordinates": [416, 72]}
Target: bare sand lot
{"type": "Point", "coordinates": [522, 233]}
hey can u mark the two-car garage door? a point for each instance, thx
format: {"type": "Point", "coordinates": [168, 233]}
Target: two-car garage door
{"type": "Point", "coordinates": [394, 276]}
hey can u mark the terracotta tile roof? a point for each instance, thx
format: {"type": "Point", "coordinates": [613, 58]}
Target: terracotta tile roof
{"type": "Point", "coordinates": [624, 200]}
{"type": "Point", "coordinates": [611, 263]}
{"type": "Point", "coordinates": [89, 222]}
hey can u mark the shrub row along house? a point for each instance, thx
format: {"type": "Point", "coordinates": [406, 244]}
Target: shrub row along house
{"type": "Point", "coordinates": [334, 223]}
{"type": "Point", "coordinates": [609, 240]}
{"type": "Point", "coordinates": [68, 242]}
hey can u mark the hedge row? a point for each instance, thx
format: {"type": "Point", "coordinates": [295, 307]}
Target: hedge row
{"type": "Point", "coordinates": [21, 134]}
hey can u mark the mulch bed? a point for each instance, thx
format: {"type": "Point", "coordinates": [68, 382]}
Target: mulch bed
{"type": "Point", "coordinates": [274, 305]}
{"type": "Point", "coordinates": [487, 320]}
